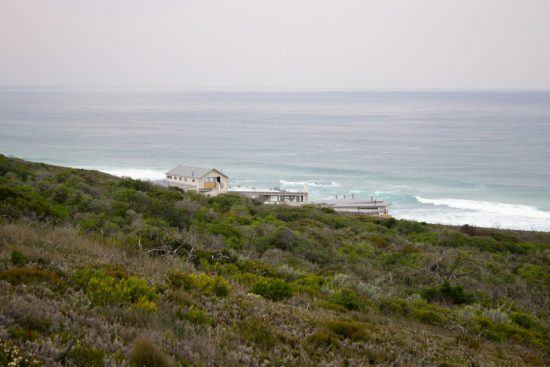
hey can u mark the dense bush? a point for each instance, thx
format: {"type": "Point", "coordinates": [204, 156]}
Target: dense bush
{"type": "Point", "coordinates": [146, 354]}
{"type": "Point", "coordinates": [22, 275]}
{"type": "Point", "coordinates": [272, 289]}
{"type": "Point", "coordinates": [18, 258]}
{"type": "Point", "coordinates": [85, 356]}
{"type": "Point", "coordinates": [347, 329]}
{"type": "Point", "coordinates": [448, 293]}
{"type": "Point", "coordinates": [201, 282]}
{"type": "Point", "coordinates": [348, 298]}
{"type": "Point", "coordinates": [104, 289]}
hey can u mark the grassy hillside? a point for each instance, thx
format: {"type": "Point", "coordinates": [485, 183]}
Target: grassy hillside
{"type": "Point", "coordinates": [97, 270]}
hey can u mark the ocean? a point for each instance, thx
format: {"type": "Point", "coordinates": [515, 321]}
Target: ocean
{"type": "Point", "coordinates": [479, 158]}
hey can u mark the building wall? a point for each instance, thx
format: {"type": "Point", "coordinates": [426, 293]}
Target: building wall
{"type": "Point", "coordinates": [224, 182]}
{"type": "Point", "coordinates": [183, 180]}
{"type": "Point", "coordinates": [200, 182]}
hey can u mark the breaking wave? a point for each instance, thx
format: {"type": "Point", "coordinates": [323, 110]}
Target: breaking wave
{"type": "Point", "coordinates": [309, 183]}
{"type": "Point", "coordinates": [488, 207]}
{"type": "Point", "coordinates": [477, 213]}
{"type": "Point", "coordinates": [136, 173]}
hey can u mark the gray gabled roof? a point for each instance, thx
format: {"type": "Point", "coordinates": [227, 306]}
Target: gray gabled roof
{"type": "Point", "coordinates": [191, 171]}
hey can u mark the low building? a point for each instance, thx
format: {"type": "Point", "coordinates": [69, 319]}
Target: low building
{"type": "Point", "coordinates": [369, 207]}
{"type": "Point", "coordinates": [274, 196]}
{"type": "Point", "coordinates": [207, 181]}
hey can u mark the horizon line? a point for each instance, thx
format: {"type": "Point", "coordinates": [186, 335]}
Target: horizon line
{"type": "Point", "coordinates": [274, 90]}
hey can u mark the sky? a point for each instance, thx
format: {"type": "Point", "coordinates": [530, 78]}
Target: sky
{"type": "Point", "coordinates": [277, 44]}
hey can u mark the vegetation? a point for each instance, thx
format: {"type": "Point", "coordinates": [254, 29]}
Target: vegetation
{"type": "Point", "coordinates": [97, 270]}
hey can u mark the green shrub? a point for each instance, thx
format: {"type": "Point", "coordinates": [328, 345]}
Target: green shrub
{"type": "Point", "coordinates": [207, 284]}
{"type": "Point", "coordinates": [535, 274]}
{"type": "Point", "coordinates": [398, 306]}
{"type": "Point", "coordinates": [348, 298]}
{"type": "Point", "coordinates": [85, 356]}
{"type": "Point", "coordinates": [223, 203]}
{"type": "Point", "coordinates": [283, 238]}
{"type": "Point", "coordinates": [447, 293]}
{"type": "Point", "coordinates": [24, 201]}
{"type": "Point", "coordinates": [103, 289]}
{"type": "Point", "coordinates": [347, 329]}
{"type": "Point", "coordinates": [176, 279]}
{"type": "Point", "coordinates": [357, 252]}
{"type": "Point", "coordinates": [428, 316]}
{"type": "Point", "coordinates": [220, 287]}
{"type": "Point", "coordinates": [406, 227]}
{"type": "Point", "coordinates": [35, 322]}
{"type": "Point", "coordinates": [272, 289]}
{"type": "Point", "coordinates": [197, 316]}
{"type": "Point", "coordinates": [257, 332]}
{"type": "Point", "coordinates": [310, 284]}
{"type": "Point", "coordinates": [23, 334]}
{"type": "Point", "coordinates": [322, 339]}
{"type": "Point", "coordinates": [24, 275]}
{"type": "Point", "coordinates": [524, 320]}
{"type": "Point", "coordinates": [146, 354]}
{"type": "Point", "coordinates": [379, 240]}
{"type": "Point", "coordinates": [137, 185]}
{"type": "Point", "coordinates": [231, 233]}
{"type": "Point", "coordinates": [18, 258]}
{"type": "Point", "coordinates": [257, 267]}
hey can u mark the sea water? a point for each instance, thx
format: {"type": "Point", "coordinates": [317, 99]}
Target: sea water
{"type": "Point", "coordinates": [481, 158]}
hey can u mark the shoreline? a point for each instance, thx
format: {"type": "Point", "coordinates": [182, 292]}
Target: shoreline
{"type": "Point", "coordinates": [396, 212]}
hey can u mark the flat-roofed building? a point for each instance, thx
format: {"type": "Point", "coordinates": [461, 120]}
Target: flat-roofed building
{"type": "Point", "coordinates": [273, 196]}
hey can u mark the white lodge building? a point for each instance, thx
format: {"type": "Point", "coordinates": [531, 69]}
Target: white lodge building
{"type": "Point", "coordinates": [207, 181]}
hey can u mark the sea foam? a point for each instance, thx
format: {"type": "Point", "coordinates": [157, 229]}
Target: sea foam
{"type": "Point", "coordinates": [309, 183]}
{"type": "Point", "coordinates": [136, 173]}
{"type": "Point", "coordinates": [477, 213]}
{"type": "Point", "coordinates": [488, 207]}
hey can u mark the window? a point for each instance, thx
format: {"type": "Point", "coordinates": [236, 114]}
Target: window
{"type": "Point", "coordinates": [193, 180]}
{"type": "Point", "coordinates": [185, 179]}
{"type": "Point", "coordinates": [168, 176]}
{"type": "Point", "coordinates": [180, 178]}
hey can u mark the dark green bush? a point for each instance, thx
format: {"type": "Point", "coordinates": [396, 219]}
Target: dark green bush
{"type": "Point", "coordinates": [204, 283]}
{"type": "Point", "coordinates": [146, 354]}
{"type": "Point", "coordinates": [447, 293]}
{"type": "Point", "coordinates": [23, 275]}
{"type": "Point", "coordinates": [104, 289]}
{"type": "Point", "coordinates": [257, 267]}
{"type": "Point", "coordinates": [406, 227]}
{"type": "Point", "coordinates": [223, 203]}
{"type": "Point", "coordinates": [310, 284]}
{"type": "Point", "coordinates": [524, 320]}
{"type": "Point", "coordinates": [23, 334]}
{"type": "Point", "coordinates": [18, 258]}
{"type": "Point", "coordinates": [197, 316]}
{"type": "Point", "coordinates": [428, 316]}
{"type": "Point", "coordinates": [283, 238]}
{"type": "Point", "coordinates": [322, 339]}
{"type": "Point", "coordinates": [257, 332]}
{"type": "Point", "coordinates": [230, 232]}
{"type": "Point", "coordinates": [85, 356]}
{"type": "Point", "coordinates": [272, 289]}
{"type": "Point", "coordinates": [137, 185]}
{"type": "Point", "coordinates": [347, 329]}
{"type": "Point", "coordinates": [176, 279]}
{"type": "Point", "coordinates": [348, 298]}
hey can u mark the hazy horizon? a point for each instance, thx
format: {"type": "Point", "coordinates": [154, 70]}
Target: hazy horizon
{"type": "Point", "coordinates": [301, 45]}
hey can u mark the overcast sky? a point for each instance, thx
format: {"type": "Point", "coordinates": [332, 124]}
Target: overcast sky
{"type": "Point", "coordinates": [277, 44]}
